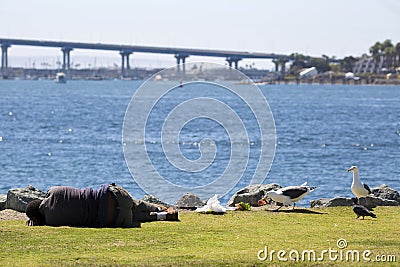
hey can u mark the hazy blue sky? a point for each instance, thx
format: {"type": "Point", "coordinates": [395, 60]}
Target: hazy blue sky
{"type": "Point", "coordinates": [315, 27]}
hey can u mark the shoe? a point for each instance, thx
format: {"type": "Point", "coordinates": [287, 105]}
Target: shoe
{"type": "Point", "coordinates": [172, 216]}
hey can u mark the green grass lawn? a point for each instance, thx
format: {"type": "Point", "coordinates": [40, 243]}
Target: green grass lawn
{"type": "Point", "coordinates": [203, 240]}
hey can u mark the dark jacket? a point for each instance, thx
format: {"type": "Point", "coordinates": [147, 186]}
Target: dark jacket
{"type": "Point", "coordinates": [75, 207]}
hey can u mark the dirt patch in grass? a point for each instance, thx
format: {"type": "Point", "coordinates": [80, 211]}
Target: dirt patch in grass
{"type": "Point", "coordinates": [8, 214]}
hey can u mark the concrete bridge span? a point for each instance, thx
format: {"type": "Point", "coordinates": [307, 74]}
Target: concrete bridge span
{"type": "Point", "coordinates": [181, 54]}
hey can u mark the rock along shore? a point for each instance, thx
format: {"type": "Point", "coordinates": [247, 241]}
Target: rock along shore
{"type": "Point", "coordinates": [18, 198]}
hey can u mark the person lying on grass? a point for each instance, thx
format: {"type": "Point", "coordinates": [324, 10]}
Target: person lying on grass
{"type": "Point", "coordinates": [109, 206]}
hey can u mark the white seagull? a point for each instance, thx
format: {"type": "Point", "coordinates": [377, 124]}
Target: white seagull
{"type": "Point", "coordinates": [357, 187]}
{"type": "Point", "coordinates": [289, 194]}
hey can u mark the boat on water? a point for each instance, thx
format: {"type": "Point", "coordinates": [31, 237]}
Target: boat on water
{"type": "Point", "coordinates": [60, 77]}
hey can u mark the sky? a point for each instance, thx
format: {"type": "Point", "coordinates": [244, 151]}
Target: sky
{"type": "Point", "coordinates": [314, 27]}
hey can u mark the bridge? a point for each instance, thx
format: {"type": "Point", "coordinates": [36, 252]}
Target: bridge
{"type": "Point", "coordinates": [232, 57]}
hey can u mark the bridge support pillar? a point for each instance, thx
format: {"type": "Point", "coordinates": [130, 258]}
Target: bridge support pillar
{"type": "Point", "coordinates": [234, 60]}
{"type": "Point", "coordinates": [283, 67]}
{"type": "Point", "coordinates": [276, 62]}
{"type": "Point", "coordinates": [4, 58]}
{"type": "Point", "coordinates": [181, 58]}
{"type": "Point", "coordinates": [280, 65]}
{"type": "Point", "coordinates": [66, 58]}
{"type": "Point", "coordinates": [125, 61]}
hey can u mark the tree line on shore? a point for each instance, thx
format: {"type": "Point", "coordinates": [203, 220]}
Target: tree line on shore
{"type": "Point", "coordinates": [385, 52]}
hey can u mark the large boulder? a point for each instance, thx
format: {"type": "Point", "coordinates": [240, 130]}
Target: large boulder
{"type": "Point", "coordinates": [331, 202]}
{"type": "Point", "coordinates": [252, 194]}
{"type": "Point", "coordinates": [372, 202]}
{"type": "Point", "coordinates": [154, 200]}
{"type": "Point", "coordinates": [189, 201]}
{"type": "Point", "coordinates": [18, 198]}
{"type": "Point", "coordinates": [385, 192]}
{"type": "Point", "coordinates": [3, 200]}
{"type": "Point", "coordinates": [369, 202]}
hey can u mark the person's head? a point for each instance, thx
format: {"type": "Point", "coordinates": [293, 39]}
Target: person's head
{"type": "Point", "coordinates": [33, 213]}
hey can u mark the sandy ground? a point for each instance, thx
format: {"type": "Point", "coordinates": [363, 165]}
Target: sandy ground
{"type": "Point", "coordinates": [12, 215]}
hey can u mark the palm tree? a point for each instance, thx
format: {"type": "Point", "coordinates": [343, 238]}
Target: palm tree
{"type": "Point", "coordinates": [398, 54]}
{"type": "Point", "coordinates": [376, 52]}
{"type": "Point", "coordinates": [390, 57]}
{"type": "Point", "coordinates": [389, 53]}
{"type": "Point", "coordinates": [387, 43]}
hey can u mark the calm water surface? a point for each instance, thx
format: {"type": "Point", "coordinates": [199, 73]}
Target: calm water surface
{"type": "Point", "coordinates": [70, 134]}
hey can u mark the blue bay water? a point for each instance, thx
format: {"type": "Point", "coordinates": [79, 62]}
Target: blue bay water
{"type": "Point", "coordinates": [70, 134]}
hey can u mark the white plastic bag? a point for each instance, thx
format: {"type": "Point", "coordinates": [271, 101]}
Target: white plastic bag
{"type": "Point", "coordinates": [212, 205]}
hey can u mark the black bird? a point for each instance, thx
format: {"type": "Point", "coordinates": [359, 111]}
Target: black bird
{"type": "Point", "coordinates": [360, 210]}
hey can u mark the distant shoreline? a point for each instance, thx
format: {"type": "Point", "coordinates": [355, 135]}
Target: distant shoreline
{"type": "Point", "coordinates": [336, 82]}
{"type": "Point", "coordinates": [391, 82]}
{"type": "Point", "coordinates": [262, 77]}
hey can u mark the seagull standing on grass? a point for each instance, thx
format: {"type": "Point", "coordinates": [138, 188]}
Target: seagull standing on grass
{"type": "Point", "coordinates": [289, 194]}
{"type": "Point", "coordinates": [360, 210]}
{"type": "Point", "coordinates": [357, 187]}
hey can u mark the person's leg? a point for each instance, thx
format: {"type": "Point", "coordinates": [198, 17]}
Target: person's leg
{"type": "Point", "coordinates": [123, 214]}
{"type": "Point", "coordinates": [144, 212]}
{"type": "Point", "coordinates": [140, 205]}
{"type": "Point", "coordinates": [147, 212]}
